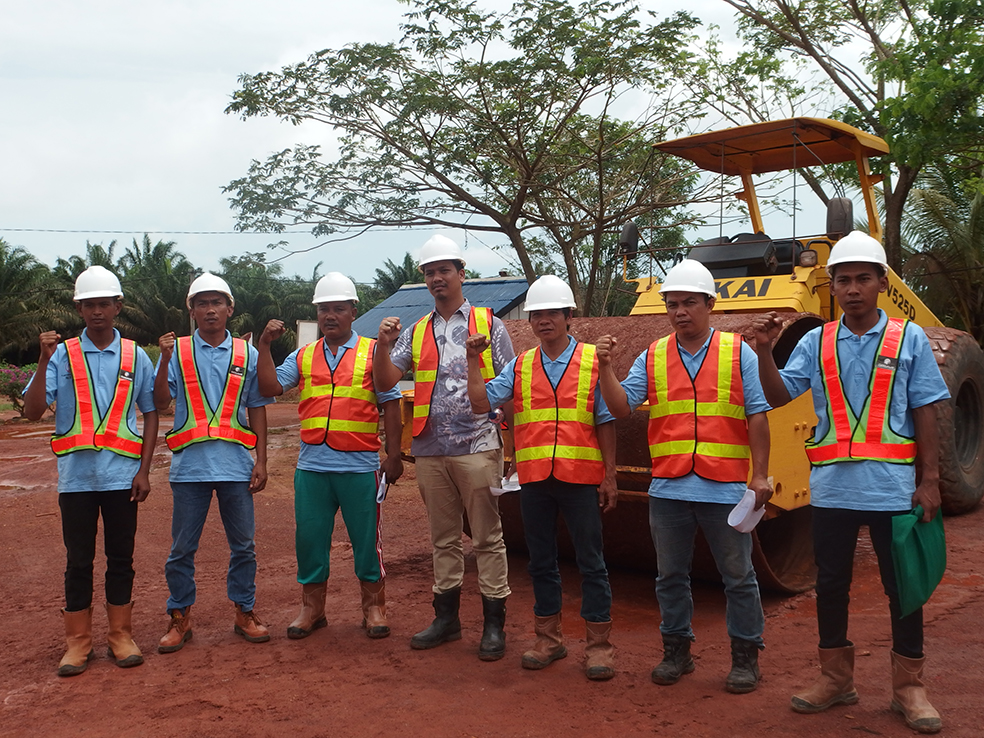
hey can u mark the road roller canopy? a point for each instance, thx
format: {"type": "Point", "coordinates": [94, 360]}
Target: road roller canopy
{"type": "Point", "coordinates": [776, 145]}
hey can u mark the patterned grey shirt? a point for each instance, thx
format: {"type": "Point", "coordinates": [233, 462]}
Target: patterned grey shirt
{"type": "Point", "coordinates": [452, 428]}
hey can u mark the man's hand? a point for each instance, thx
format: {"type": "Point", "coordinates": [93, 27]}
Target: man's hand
{"type": "Point", "coordinates": [140, 487]}
{"type": "Point", "coordinates": [762, 489]}
{"type": "Point", "coordinates": [257, 482]}
{"type": "Point", "coordinates": [928, 495]}
{"type": "Point", "coordinates": [49, 342]}
{"type": "Point", "coordinates": [392, 467]}
{"type": "Point", "coordinates": [273, 330]}
{"type": "Point", "coordinates": [166, 345]}
{"type": "Point", "coordinates": [389, 331]}
{"type": "Point", "coordinates": [604, 349]}
{"type": "Point", "coordinates": [766, 329]}
{"type": "Point", "coordinates": [607, 494]}
{"type": "Point", "coordinates": [475, 344]}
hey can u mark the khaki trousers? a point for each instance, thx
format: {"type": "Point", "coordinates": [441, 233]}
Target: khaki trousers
{"type": "Point", "coordinates": [450, 486]}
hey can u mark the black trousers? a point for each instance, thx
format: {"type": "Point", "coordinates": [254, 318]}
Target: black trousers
{"type": "Point", "coordinates": [80, 521]}
{"type": "Point", "coordinates": [835, 537]}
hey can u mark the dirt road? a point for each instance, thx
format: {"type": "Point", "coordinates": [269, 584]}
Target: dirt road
{"type": "Point", "coordinates": [339, 683]}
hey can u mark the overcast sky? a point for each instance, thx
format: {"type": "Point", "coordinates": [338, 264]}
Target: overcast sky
{"type": "Point", "coordinates": [111, 119]}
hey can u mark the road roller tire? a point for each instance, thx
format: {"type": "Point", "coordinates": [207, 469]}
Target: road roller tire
{"type": "Point", "coordinates": [961, 419]}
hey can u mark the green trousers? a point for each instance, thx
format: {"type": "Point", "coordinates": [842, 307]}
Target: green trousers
{"type": "Point", "coordinates": [317, 498]}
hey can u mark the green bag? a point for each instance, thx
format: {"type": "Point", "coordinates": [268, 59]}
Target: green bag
{"type": "Point", "coordinates": [919, 553]}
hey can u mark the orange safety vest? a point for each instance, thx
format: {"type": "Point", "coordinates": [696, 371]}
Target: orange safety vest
{"type": "Point", "coordinates": [113, 432]}
{"type": "Point", "coordinates": [202, 424]}
{"type": "Point", "coordinates": [870, 436]}
{"type": "Point", "coordinates": [698, 425]}
{"type": "Point", "coordinates": [338, 408]}
{"type": "Point", "coordinates": [426, 360]}
{"type": "Point", "coordinates": [555, 428]}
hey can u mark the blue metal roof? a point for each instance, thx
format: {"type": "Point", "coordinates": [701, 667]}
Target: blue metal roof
{"type": "Point", "coordinates": [412, 301]}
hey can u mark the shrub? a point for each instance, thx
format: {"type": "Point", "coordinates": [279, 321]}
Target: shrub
{"type": "Point", "coordinates": [13, 380]}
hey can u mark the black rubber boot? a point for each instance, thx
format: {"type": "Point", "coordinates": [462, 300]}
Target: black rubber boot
{"type": "Point", "coordinates": [676, 660]}
{"type": "Point", "coordinates": [446, 626]}
{"type": "Point", "coordinates": [493, 646]}
{"type": "Point", "coordinates": [744, 674]}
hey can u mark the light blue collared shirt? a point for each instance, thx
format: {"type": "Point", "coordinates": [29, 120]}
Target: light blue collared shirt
{"type": "Point", "coordinates": [96, 471]}
{"type": "Point", "coordinates": [322, 457]}
{"type": "Point", "coordinates": [213, 460]}
{"type": "Point", "coordinates": [499, 389]}
{"type": "Point", "coordinates": [866, 485]}
{"type": "Point", "coordinates": [692, 488]}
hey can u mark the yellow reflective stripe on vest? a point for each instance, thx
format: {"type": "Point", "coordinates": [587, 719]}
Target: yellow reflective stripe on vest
{"type": "Point", "coordinates": [722, 450]}
{"type": "Point", "coordinates": [483, 326]}
{"type": "Point", "coordinates": [678, 407]}
{"type": "Point", "coordinates": [726, 350]}
{"type": "Point", "coordinates": [533, 453]}
{"type": "Point", "coordinates": [340, 425]}
{"type": "Point", "coordinates": [550, 414]}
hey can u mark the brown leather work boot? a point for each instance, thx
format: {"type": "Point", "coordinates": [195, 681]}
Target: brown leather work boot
{"type": "Point", "coordinates": [78, 636]}
{"type": "Point", "coordinates": [599, 653]}
{"type": "Point", "coordinates": [835, 685]}
{"type": "Point", "coordinates": [374, 609]}
{"type": "Point", "coordinates": [909, 695]}
{"type": "Point", "coordinates": [312, 615]}
{"type": "Point", "coordinates": [178, 631]}
{"type": "Point", "coordinates": [248, 625]}
{"type": "Point", "coordinates": [121, 645]}
{"type": "Point", "coordinates": [549, 644]}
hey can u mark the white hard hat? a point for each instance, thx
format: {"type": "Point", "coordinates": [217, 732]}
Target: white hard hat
{"type": "Point", "coordinates": [97, 281]}
{"type": "Point", "coordinates": [549, 293]}
{"type": "Point", "coordinates": [334, 287]}
{"type": "Point", "coordinates": [857, 246]}
{"type": "Point", "coordinates": [689, 276]}
{"type": "Point", "coordinates": [439, 248]}
{"type": "Point", "coordinates": [210, 283]}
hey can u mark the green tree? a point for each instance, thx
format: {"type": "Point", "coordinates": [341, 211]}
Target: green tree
{"type": "Point", "coordinates": [262, 293]}
{"type": "Point", "coordinates": [393, 276]}
{"type": "Point", "coordinates": [155, 279]}
{"type": "Point", "coordinates": [944, 228]}
{"type": "Point", "coordinates": [477, 120]}
{"type": "Point", "coordinates": [26, 307]}
{"type": "Point", "coordinates": [917, 81]}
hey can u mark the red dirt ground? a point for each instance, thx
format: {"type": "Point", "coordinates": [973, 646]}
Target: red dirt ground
{"type": "Point", "coordinates": [339, 683]}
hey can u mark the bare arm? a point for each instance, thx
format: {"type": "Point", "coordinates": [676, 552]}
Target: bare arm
{"type": "Point", "coordinates": [35, 399]}
{"type": "Point", "coordinates": [611, 390]}
{"type": "Point", "coordinates": [140, 487]}
{"type": "Point", "coordinates": [759, 440]}
{"type": "Point", "coordinates": [608, 489]}
{"type": "Point", "coordinates": [384, 372]}
{"type": "Point", "coordinates": [266, 370]}
{"type": "Point", "coordinates": [767, 328]}
{"type": "Point", "coordinates": [392, 465]}
{"type": "Point", "coordinates": [258, 424]}
{"type": "Point", "coordinates": [474, 346]}
{"type": "Point", "coordinates": [162, 393]}
{"type": "Point", "coordinates": [927, 461]}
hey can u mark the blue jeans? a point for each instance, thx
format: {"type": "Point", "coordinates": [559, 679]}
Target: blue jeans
{"type": "Point", "coordinates": [540, 502]}
{"type": "Point", "coordinates": [191, 504]}
{"type": "Point", "coordinates": [673, 524]}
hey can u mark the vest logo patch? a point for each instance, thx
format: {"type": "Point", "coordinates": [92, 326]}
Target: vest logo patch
{"type": "Point", "coordinates": [887, 362]}
{"type": "Point", "coordinates": [127, 375]}
{"type": "Point", "coordinates": [237, 370]}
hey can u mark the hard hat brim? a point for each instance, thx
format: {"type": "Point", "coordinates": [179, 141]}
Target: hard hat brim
{"type": "Point", "coordinates": [334, 298]}
{"type": "Point", "coordinates": [685, 288]}
{"type": "Point", "coordinates": [93, 294]}
{"type": "Point", "coordinates": [556, 305]}
{"type": "Point", "coordinates": [855, 260]}
{"type": "Point", "coordinates": [443, 257]}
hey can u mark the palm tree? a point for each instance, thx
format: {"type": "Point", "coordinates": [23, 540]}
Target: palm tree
{"type": "Point", "coordinates": [393, 276]}
{"type": "Point", "coordinates": [944, 233]}
{"type": "Point", "coordinates": [155, 278]}
{"type": "Point", "coordinates": [26, 305]}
